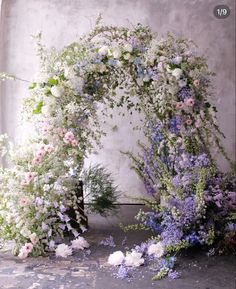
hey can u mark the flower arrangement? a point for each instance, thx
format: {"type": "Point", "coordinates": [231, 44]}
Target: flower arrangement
{"type": "Point", "coordinates": [170, 85]}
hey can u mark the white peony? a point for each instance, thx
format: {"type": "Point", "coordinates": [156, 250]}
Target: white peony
{"type": "Point", "coordinates": [116, 258]}
{"type": "Point", "coordinates": [103, 50]}
{"type": "Point", "coordinates": [63, 251]}
{"type": "Point", "coordinates": [156, 249]}
{"type": "Point", "coordinates": [57, 91]}
{"type": "Point", "coordinates": [128, 47]}
{"type": "Point", "coordinates": [117, 53]}
{"type": "Point", "coordinates": [80, 243]}
{"type": "Point", "coordinates": [134, 259]}
{"type": "Point", "coordinates": [177, 72]}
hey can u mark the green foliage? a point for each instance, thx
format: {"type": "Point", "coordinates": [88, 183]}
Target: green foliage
{"type": "Point", "coordinates": [99, 190]}
{"type": "Point", "coordinates": [161, 274]}
{"type": "Point", "coordinates": [38, 107]}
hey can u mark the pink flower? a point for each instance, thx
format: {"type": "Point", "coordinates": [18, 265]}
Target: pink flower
{"type": "Point", "coordinates": [25, 250]}
{"type": "Point", "coordinates": [46, 129]}
{"type": "Point", "coordinates": [29, 176]}
{"type": "Point", "coordinates": [60, 131]}
{"type": "Point", "coordinates": [42, 146]}
{"type": "Point", "coordinates": [189, 101]}
{"type": "Point", "coordinates": [36, 161]}
{"type": "Point", "coordinates": [49, 148]}
{"type": "Point", "coordinates": [69, 136]}
{"type": "Point", "coordinates": [28, 247]}
{"type": "Point", "coordinates": [40, 153]}
{"type": "Point", "coordinates": [24, 183]}
{"type": "Point", "coordinates": [74, 143]}
{"type": "Point", "coordinates": [24, 202]}
{"type": "Point", "coordinates": [188, 121]}
{"type": "Point", "coordinates": [196, 82]}
{"type": "Point", "coordinates": [179, 105]}
{"type": "Point", "coordinates": [23, 253]}
{"type": "Point", "coordinates": [66, 141]}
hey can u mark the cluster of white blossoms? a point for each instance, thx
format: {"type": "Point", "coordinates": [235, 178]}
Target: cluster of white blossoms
{"type": "Point", "coordinates": [64, 250]}
{"type": "Point", "coordinates": [135, 258]}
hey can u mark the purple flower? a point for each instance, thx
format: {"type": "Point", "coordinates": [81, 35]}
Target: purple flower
{"type": "Point", "coordinates": [108, 242]}
{"type": "Point", "coordinates": [38, 201]}
{"type": "Point", "coordinates": [185, 92]}
{"type": "Point", "coordinates": [172, 274]}
{"type": "Point", "coordinates": [122, 272]}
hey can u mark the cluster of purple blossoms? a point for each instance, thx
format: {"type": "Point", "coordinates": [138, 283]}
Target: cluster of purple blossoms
{"type": "Point", "coordinates": [185, 92]}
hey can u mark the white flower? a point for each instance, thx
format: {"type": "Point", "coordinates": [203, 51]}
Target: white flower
{"type": "Point", "coordinates": [177, 72]}
{"type": "Point", "coordinates": [178, 59]}
{"type": "Point", "coordinates": [156, 249]}
{"type": "Point", "coordinates": [128, 47]}
{"type": "Point", "coordinates": [117, 53]}
{"type": "Point", "coordinates": [146, 78]}
{"type": "Point", "coordinates": [25, 232]}
{"type": "Point", "coordinates": [79, 243]}
{"type": "Point", "coordinates": [127, 56]}
{"type": "Point", "coordinates": [182, 82]}
{"type": "Point", "coordinates": [46, 187]}
{"type": "Point", "coordinates": [57, 91]}
{"type": "Point", "coordinates": [34, 238]}
{"type": "Point", "coordinates": [76, 83]}
{"type": "Point", "coordinates": [116, 258]}
{"type": "Point", "coordinates": [101, 67]}
{"type": "Point", "coordinates": [103, 50]}
{"type": "Point", "coordinates": [63, 251]}
{"type": "Point", "coordinates": [134, 259]}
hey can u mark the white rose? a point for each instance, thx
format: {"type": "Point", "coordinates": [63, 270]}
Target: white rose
{"type": "Point", "coordinates": [128, 47]}
{"type": "Point", "coordinates": [134, 259]}
{"type": "Point", "coordinates": [116, 258]}
{"type": "Point", "coordinates": [103, 50]}
{"type": "Point", "coordinates": [156, 249]}
{"type": "Point", "coordinates": [63, 251]}
{"type": "Point", "coordinates": [177, 72]}
{"type": "Point", "coordinates": [57, 91]}
{"type": "Point", "coordinates": [79, 243]}
{"type": "Point", "coordinates": [117, 53]}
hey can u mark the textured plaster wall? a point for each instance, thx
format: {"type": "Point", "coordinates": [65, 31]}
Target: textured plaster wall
{"type": "Point", "coordinates": [63, 21]}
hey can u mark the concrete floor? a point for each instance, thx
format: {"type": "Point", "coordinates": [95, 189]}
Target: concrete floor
{"type": "Point", "coordinates": [84, 271]}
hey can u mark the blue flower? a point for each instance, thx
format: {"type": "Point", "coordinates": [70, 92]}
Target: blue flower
{"type": "Point", "coordinates": [112, 62]}
{"type": "Point", "coordinates": [193, 239]}
{"type": "Point", "coordinates": [122, 272]}
{"type": "Point", "coordinates": [137, 60]}
{"type": "Point", "coordinates": [175, 123]}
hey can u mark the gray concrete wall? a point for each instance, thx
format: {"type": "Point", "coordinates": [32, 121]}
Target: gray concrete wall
{"type": "Point", "coordinates": [63, 21]}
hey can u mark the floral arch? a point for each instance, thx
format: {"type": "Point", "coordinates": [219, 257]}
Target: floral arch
{"type": "Point", "coordinates": [170, 85]}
